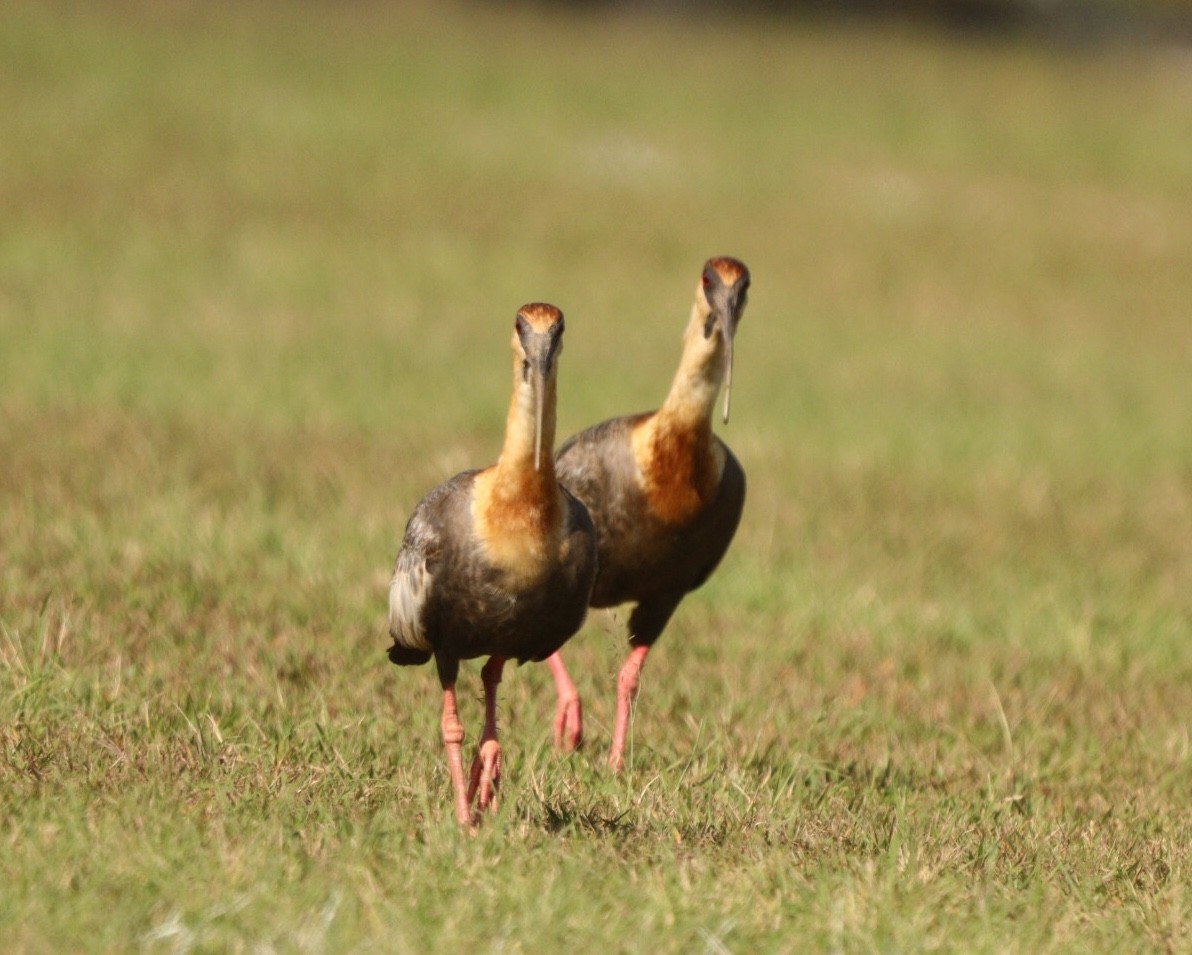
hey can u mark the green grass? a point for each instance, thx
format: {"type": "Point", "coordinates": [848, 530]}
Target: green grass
{"type": "Point", "coordinates": [257, 268]}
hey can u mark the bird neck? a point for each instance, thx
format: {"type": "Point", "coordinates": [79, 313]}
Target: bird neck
{"type": "Point", "coordinates": [516, 473]}
{"type": "Point", "coordinates": [680, 461]}
{"type": "Point", "coordinates": [519, 508]}
{"type": "Point", "coordinates": [693, 391]}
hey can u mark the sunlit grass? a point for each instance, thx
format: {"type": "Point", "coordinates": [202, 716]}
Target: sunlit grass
{"type": "Point", "coordinates": [257, 268]}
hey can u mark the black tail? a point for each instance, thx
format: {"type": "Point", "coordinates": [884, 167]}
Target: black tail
{"type": "Point", "coordinates": [405, 657]}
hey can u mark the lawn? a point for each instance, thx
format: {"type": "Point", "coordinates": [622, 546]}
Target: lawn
{"type": "Point", "coordinates": [258, 267]}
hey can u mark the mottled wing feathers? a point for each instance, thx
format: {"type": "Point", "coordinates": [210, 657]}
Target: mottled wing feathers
{"type": "Point", "coordinates": [408, 592]}
{"type": "Point", "coordinates": [413, 580]}
{"type": "Point", "coordinates": [588, 462]}
{"type": "Point", "coordinates": [602, 434]}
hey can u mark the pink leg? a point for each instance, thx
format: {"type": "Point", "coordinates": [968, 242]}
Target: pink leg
{"type": "Point", "coordinates": [569, 716]}
{"type": "Point", "coordinates": [626, 693]}
{"type": "Point", "coordinates": [453, 737]}
{"type": "Point", "coordinates": [486, 767]}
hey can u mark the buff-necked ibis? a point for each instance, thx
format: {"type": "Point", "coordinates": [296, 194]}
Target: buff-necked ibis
{"type": "Point", "coordinates": [664, 492]}
{"type": "Point", "coordinates": [497, 562]}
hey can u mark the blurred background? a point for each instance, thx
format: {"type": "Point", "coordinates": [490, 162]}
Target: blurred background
{"type": "Point", "coordinates": [259, 262]}
{"type": "Point", "coordinates": [299, 231]}
{"type": "Point", "coordinates": [1057, 19]}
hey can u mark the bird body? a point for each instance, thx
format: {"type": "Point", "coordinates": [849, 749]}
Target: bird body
{"type": "Point", "coordinates": [497, 562]}
{"type": "Point", "coordinates": [665, 494]}
{"type": "Point", "coordinates": [482, 582]}
{"type": "Point", "coordinates": [665, 506]}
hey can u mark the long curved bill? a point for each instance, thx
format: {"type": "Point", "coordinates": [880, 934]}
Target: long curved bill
{"type": "Point", "coordinates": [539, 389]}
{"type": "Point", "coordinates": [728, 367]}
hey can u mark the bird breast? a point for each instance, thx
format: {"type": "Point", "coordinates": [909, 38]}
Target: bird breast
{"type": "Point", "coordinates": [518, 523]}
{"type": "Point", "coordinates": [680, 467]}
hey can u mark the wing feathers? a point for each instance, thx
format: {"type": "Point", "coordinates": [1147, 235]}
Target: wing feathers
{"type": "Point", "coordinates": [410, 587]}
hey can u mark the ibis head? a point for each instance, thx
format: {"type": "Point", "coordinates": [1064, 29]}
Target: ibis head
{"type": "Point", "coordinates": [721, 297]}
{"type": "Point", "coordinates": [537, 343]}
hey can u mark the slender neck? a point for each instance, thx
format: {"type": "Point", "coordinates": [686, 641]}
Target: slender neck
{"type": "Point", "coordinates": [519, 508]}
{"type": "Point", "coordinates": [693, 391]}
{"type": "Point", "coordinates": [516, 463]}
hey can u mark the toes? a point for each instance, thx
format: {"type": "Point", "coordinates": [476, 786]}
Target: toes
{"type": "Point", "coordinates": [485, 778]}
{"type": "Point", "coordinates": [569, 726]}
{"type": "Point", "coordinates": [490, 775]}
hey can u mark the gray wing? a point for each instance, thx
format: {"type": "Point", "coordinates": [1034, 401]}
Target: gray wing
{"type": "Point", "coordinates": [414, 573]}
{"type": "Point", "coordinates": [410, 586]}
{"type": "Point", "coordinates": [597, 464]}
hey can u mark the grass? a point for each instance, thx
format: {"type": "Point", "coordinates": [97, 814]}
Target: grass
{"type": "Point", "coordinates": [256, 271]}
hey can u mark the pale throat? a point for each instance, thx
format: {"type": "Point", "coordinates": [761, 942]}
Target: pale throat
{"type": "Point", "coordinates": [693, 391]}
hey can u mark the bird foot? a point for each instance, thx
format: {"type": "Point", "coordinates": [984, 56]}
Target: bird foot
{"type": "Point", "coordinates": [569, 724]}
{"type": "Point", "coordinates": [569, 714]}
{"type": "Point", "coordinates": [485, 779]}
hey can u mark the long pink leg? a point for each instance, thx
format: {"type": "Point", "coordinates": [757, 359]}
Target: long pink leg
{"type": "Point", "coordinates": [569, 715]}
{"type": "Point", "coordinates": [626, 693]}
{"type": "Point", "coordinates": [453, 737]}
{"type": "Point", "coordinates": [486, 767]}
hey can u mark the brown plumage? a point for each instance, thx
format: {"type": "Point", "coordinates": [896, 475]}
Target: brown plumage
{"type": "Point", "coordinates": [498, 562]}
{"type": "Point", "coordinates": [664, 493]}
